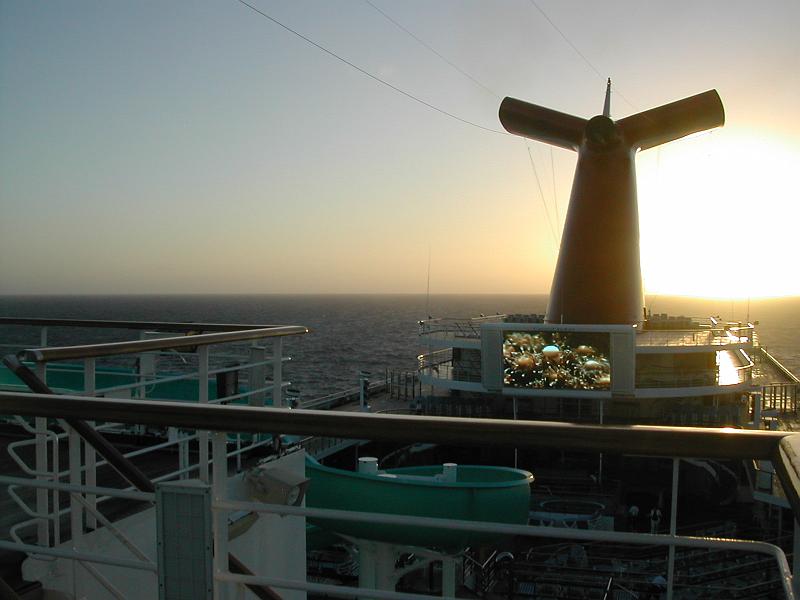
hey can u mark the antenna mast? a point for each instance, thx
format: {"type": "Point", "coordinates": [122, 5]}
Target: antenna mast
{"type": "Point", "coordinates": [607, 103]}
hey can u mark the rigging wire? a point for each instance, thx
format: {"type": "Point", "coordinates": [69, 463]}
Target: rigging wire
{"type": "Point", "coordinates": [368, 74]}
{"type": "Point", "coordinates": [581, 54]}
{"type": "Point", "coordinates": [433, 50]}
{"type": "Point", "coordinates": [423, 102]}
{"type": "Point", "coordinates": [427, 46]}
{"type": "Point", "coordinates": [555, 195]}
{"type": "Point", "coordinates": [541, 194]}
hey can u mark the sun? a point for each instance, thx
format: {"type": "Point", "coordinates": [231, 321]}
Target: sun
{"type": "Point", "coordinates": [719, 216]}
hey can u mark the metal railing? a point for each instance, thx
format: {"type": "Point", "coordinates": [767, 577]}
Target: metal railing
{"type": "Point", "coordinates": [707, 332]}
{"type": "Point", "coordinates": [253, 362]}
{"type": "Point", "coordinates": [781, 398]}
{"type": "Point", "coordinates": [715, 336]}
{"type": "Point", "coordinates": [439, 365]}
{"type": "Point", "coordinates": [446, 327]}
{"type": "Point", "coordinates": [780, 447]}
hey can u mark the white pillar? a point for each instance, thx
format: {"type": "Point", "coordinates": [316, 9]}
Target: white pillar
{"type": "Point", "coordinates": [756, 410]}
{"type": "Point", "coordinates": [277, 372]}
{"type": "Point", "coordinates": [43, 528]}
{"type": "Point", "coordinates": [220, 517]}
{"type": "Point", "coordinates": [202, 398]}
{"type": "Point", "coordinates": [366, 564]}
{"type": "Point", "coordinates": [448, 576]}
{"type": "Point", "coordinates": [257, 375]}
{"type": "Point", "coordinates": [89, 455]}
{"type": "Point", "coordinates": [75, 507]}
{"type": "Point", "coordinates": [384, 566]}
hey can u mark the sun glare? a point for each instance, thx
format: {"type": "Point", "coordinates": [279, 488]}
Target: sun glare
{"type": "Point", "coordinates": [719, 214]}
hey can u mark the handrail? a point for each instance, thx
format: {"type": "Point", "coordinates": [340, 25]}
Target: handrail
{"type": "Point", "coordinates": [662, 540]}
{"type": "Point", "coordinates": [778, 365]}
{"type": "Point", "coordinates": [136, 346]}
{"type": "Point", "coordinates": [780, 447]}
{"type": "Point", "coordinates": [122, 465]}
{"type": "Point", "coordinates": [637, 439]}
{"type": "Point", "coordinates": [180, 326]}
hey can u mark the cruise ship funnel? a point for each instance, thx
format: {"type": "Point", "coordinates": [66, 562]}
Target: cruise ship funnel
{"type": "Point", "coordinates": [598, 276]}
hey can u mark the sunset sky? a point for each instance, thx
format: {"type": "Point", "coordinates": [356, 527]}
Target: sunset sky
{"type": "Point", "coordinates": [181, 147]}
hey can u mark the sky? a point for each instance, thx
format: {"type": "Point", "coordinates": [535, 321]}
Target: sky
{"type": "Point", "coordinates": [198, 147]}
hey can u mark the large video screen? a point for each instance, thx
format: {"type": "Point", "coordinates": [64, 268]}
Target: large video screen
{"type": "Point", "coordinates": [565, 360]}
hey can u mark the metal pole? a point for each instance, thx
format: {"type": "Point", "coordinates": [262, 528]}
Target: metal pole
{"type": "Point", "coordinates": [449, 577]}
{"type": "Point", "coordinates": [220, 516]}
{"type": "Point", "coordinates": [202, 435]}
{"type": "Point", "coordinates": [384, 566]}
{"type": "Point", "coordinates": [75, 508]}
{"type": "Point", "coordinates": [366, 564]}
{"type": "Point", "coordinates": [673, 515]}
{"type": "Point", "coordinates": [257, 375]}
{"type": "Point", "coordinates": [757, 410]}
{"type": "Point", "coordinates": [90, 457]}
{"type": "Point", "coordinates": [41, 466]}
{"type": "Point", "coordinates": [277, 372]}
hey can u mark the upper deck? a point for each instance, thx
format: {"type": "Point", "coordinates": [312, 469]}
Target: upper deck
{"type": "Point", "coordinates": [694, 335]}
{"type": "Point", "coordinates": [666, 358]}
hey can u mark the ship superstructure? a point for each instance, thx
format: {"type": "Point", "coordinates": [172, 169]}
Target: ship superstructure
{"type": "Point", "coordinates": [597, 354]}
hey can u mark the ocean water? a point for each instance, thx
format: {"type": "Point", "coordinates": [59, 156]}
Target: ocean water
{"type": "Point", "coordinates": [350, 333]}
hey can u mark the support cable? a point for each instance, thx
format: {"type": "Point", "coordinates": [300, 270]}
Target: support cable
{"type": "Point", "coordinates": [579, 53]}
{"type": "Point", "coordinates": [555, 195]}
{"type": "Point", "coordinates": [368, 74]}
{"type": "Point", "coordinates": [541, 194]}
{"type": "Point", "coordinates": [433, 50]}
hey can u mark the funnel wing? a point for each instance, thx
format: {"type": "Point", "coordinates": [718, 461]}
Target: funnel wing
{"type": "Point", "coordinates": [542, 124]}
{"type": "Point", "coordinates": [673, 121]}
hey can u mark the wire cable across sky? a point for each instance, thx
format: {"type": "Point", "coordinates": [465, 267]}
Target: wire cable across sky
{"type": "Point", "coordinates": [581, 54]}
{"type": "Point", "coordinates": [434, 51]}
{"type": "Point", "coordinates": [370, 75]}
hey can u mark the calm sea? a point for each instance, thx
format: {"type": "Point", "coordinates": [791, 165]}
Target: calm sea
{"type": "Point", "coordinates": [362, 332]}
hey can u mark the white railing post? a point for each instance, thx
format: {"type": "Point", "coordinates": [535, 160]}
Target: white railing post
{"type": "Point", "coordinates": [202, 397]}
{"type": "Point", "coordinates": [756, 396]}
{"type": "Point", "coordinates": [220, 516]}
{"type": "Point", "coordinates": [277, 372]}
{"type": "Point", "coordinates": [75, 507]}
{"type": "Point", "coordinates": [449, 577]}
{"type": "Point", "coordinates": [90, 458]}
{"type": "Point", "coordinates": [43, 529]}
{"type": "Point", "coordinates": [183, 454]}
{"type": "Point", "coordinates": [257, 375]}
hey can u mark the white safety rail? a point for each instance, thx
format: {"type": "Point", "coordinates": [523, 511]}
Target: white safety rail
{"type": "Point", "coordinates": [439, 365]}
{"type": "Point", "coordinates": [451, 328]}
{"type": "Point", "coordinates": [712, 336]}
{"type": "Point", "coordinates": [158, 365]}
{"type": "Point", "coordinates": [226, 421]}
